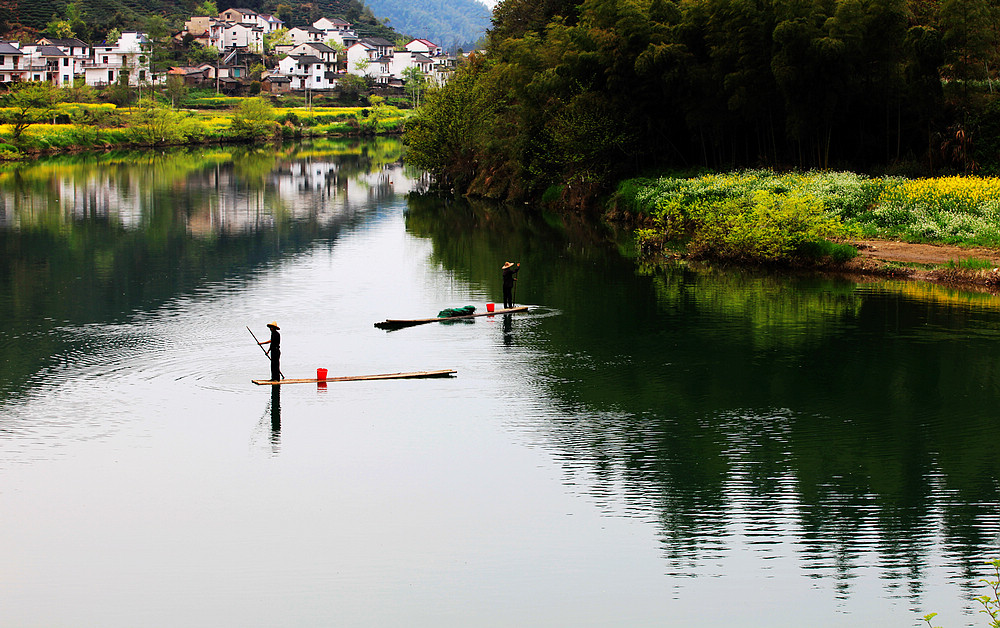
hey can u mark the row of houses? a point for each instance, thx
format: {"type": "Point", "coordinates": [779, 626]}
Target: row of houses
{"type": "Point", "coordinates": [317, 66]}
{"type": "Point", "coordinates": [60, 61]}
{"type": "Point", "coordinates": [312, 58]}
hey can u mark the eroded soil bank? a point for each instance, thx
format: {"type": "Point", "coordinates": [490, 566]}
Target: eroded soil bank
{"type": "Point", "coordinates": [925, 262]}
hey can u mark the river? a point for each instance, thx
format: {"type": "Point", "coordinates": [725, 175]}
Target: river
{"type": "Point", "coordinates": [685, 446]}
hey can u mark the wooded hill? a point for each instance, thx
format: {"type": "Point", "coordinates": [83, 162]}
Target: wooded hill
{"type": "Point", "coordinates": [101, 16]}
{"type": "Point", "coordinates": [574, 95]}
{"type": "Point", "coordinates": [448, 23]}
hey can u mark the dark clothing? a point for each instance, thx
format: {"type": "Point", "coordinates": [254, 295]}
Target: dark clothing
{"type": "Point", "coordinates": [275, 353]}
{"type": "Point", "coordinates": [508, 285]}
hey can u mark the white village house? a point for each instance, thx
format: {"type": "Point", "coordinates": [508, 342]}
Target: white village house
{"type": "Point", "coordinates": [129, 54]}
{"type": "Point", "coordinates": [11, 62]}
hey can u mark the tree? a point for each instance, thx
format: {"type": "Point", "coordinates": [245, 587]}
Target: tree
{"type": "Point", "coordinates": [279, 37]}
{"type": "Point", "coordinates": [415, 83]}
{"type": "Point", "coordinates": [176, 89]}
{"type": "Point", "coordinates": [208, 8]}
{"type": "Point", "coordinates": [30, 103]}
{"type": "Point", "coordinates": [253, 118]}
{"type": "Point", "coordinates": [378, 112]}
{"type": "Point", "coordinates": [78, 20]}
{"type": "Point", "coordinates": [158, 35]}
{"type": "Point", "coordinates": [198, 54]}
{"type": "Point", "coordinates": [351, 86]}
{"type": "Point", "coordinates": [59, 29]}
{"type": "Point", "coordinates": [156, 124]}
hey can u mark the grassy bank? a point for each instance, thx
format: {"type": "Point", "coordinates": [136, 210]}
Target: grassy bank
{"type": "Point", "coordinates": [762, 216]}
{"type": "Point", "coordinates": [87, 126]}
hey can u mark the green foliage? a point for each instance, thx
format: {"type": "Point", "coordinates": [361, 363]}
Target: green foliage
{"type": "Point", "coordinates": [764, 227]}
{"type": "Point", "coordinates": [155, 124]}
{"type": "Point", "coordinates": [451, 130]}
{"type": "Point", "coordinates": [590, 92]}
{"type": "Point", "coordinates": [206, 8]}
{"type": "Point", "coordinates": [60, 29]}
{"type": "Point", "coordinates": [351, 86]}
{"type": "Point", "coordinates": [253, 118]}
{"type": "Point", "coordinates": [29, 103]}
{"type": "Point", "coordinates": [198, 54]}
{"type": "Point", "coordinates": [415, 84]}
{"type": "Point", "coordinates": [990, 602]}
{"type": "Point", "coordinates": [971, 263]}
{"type": "Point", "coordinates": [956, 210]}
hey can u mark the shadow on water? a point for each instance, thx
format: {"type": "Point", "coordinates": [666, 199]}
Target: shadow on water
{"type": "Point", "coordinates": [859, 418]}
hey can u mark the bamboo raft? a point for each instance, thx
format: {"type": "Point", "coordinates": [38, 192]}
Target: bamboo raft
{"type": "Point", "coordinates": [357, 378]}
{"type": "Point", "coordinates": [398, 323]}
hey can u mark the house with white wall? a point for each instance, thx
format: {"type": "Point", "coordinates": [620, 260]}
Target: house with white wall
{"type": "Point", "coordinates": [247, 17]}
{"type": "Point", "coordinates": [400, 61]}
{"type": "Point", "coordinates": [336, 30]}
{"type": "Point", "coordinates": [206, 31]}
{"type": "Point", "coordinates": [305, 34]}
{"type": "Point", "coordinates": [269, 23]}
{"type": "Point", "coordinates": [48, 64]}
{"type": "Point", "coordinates": [360, 59]}
{"type": "Point", "coordinates": [130, 54]}
{"type": "Point", "coordinates": [424, 47]}
{"type": "Point", "coordinates": [12, 68]}
{"type": "Point", "coordinates": [71, 46]}
{"type": "Point", "coordinates": [307, 71]}
{"type": "Point", "coordinates": [327, 54]}
{"type": "Point", "coordinates": [237, 35]}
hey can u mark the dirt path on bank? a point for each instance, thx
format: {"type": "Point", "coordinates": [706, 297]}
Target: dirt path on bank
{"type": "Point", "coordinates": [883, 258]}
{"type": "Point", "coordinates": [922, 253]}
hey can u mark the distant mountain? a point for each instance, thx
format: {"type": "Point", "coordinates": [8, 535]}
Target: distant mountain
{"type": "Point", "coordinates": [448, 23]}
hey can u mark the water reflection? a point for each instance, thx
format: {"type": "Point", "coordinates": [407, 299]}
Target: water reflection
{"type": "Point", "coordinates": [850, 425]}
{"type": "Point", "coordinates": [275, 419]}
{"type": "Point", "coordinates": [97, 238]}
{"type": "Point", "coordinates": [759, 428]}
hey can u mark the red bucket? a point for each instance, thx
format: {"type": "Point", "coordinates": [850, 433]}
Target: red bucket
{"type": "Point", "coordinates": [320, 373]}
{"type": "Point", "coordinates": [489, 307]}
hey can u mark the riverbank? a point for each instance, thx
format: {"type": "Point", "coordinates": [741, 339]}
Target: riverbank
{"type": "Point", "coordinates": [74, 127]}
{"type": "Point", "coordinates": [937, 263]}
{"type": "Point", "coordinates": [942, 229]}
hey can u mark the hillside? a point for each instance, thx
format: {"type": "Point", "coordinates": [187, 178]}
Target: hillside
{"type": "Point", "coordinates": [101, 16]}
{"type": "Point", "coordinates": [448, 23]}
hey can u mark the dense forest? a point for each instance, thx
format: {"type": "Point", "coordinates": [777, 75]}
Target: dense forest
{"type": "Point", "coordinates": [574, 95]}
{"type": "Point", "coordinates": [451, 24]}
{"type": "Point", "coordinates": [93, 19]}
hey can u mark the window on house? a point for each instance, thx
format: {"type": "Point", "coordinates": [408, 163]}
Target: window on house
{"type": "Point", "coordinates": [105, 60]}
{"type": "Point", "coordinates": [65, 78]}
{"type": "Point", "coordinates": [3, 60]}
{"type": "Point", "coordinates": [111, 76]}
{"type": "Point", "coordinates": [65, 62]}
{"type": "Point", "coordinates": [142, 75]}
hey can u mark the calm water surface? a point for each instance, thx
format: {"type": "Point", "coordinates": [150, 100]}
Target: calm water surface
{"type": "Point", "coordinates": [682, 447]}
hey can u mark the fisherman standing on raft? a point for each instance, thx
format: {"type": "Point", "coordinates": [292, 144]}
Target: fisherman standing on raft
{"type": "Point", "coordinates": [275, 350]}
{"type": "Point", "coordinates": [509, 270]}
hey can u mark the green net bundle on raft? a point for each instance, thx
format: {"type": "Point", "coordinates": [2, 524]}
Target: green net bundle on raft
{"type": "Point", "coordinates": [448, 312]}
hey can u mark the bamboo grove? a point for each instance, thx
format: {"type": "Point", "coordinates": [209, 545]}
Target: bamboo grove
{"type": "Point", "coordinates": [574, 95]}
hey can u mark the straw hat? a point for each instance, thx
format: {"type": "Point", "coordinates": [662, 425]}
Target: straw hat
{"type": "Point", "coordinates": [506, 265]}
{"type": "Point", "coordinates": [273, 324]}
